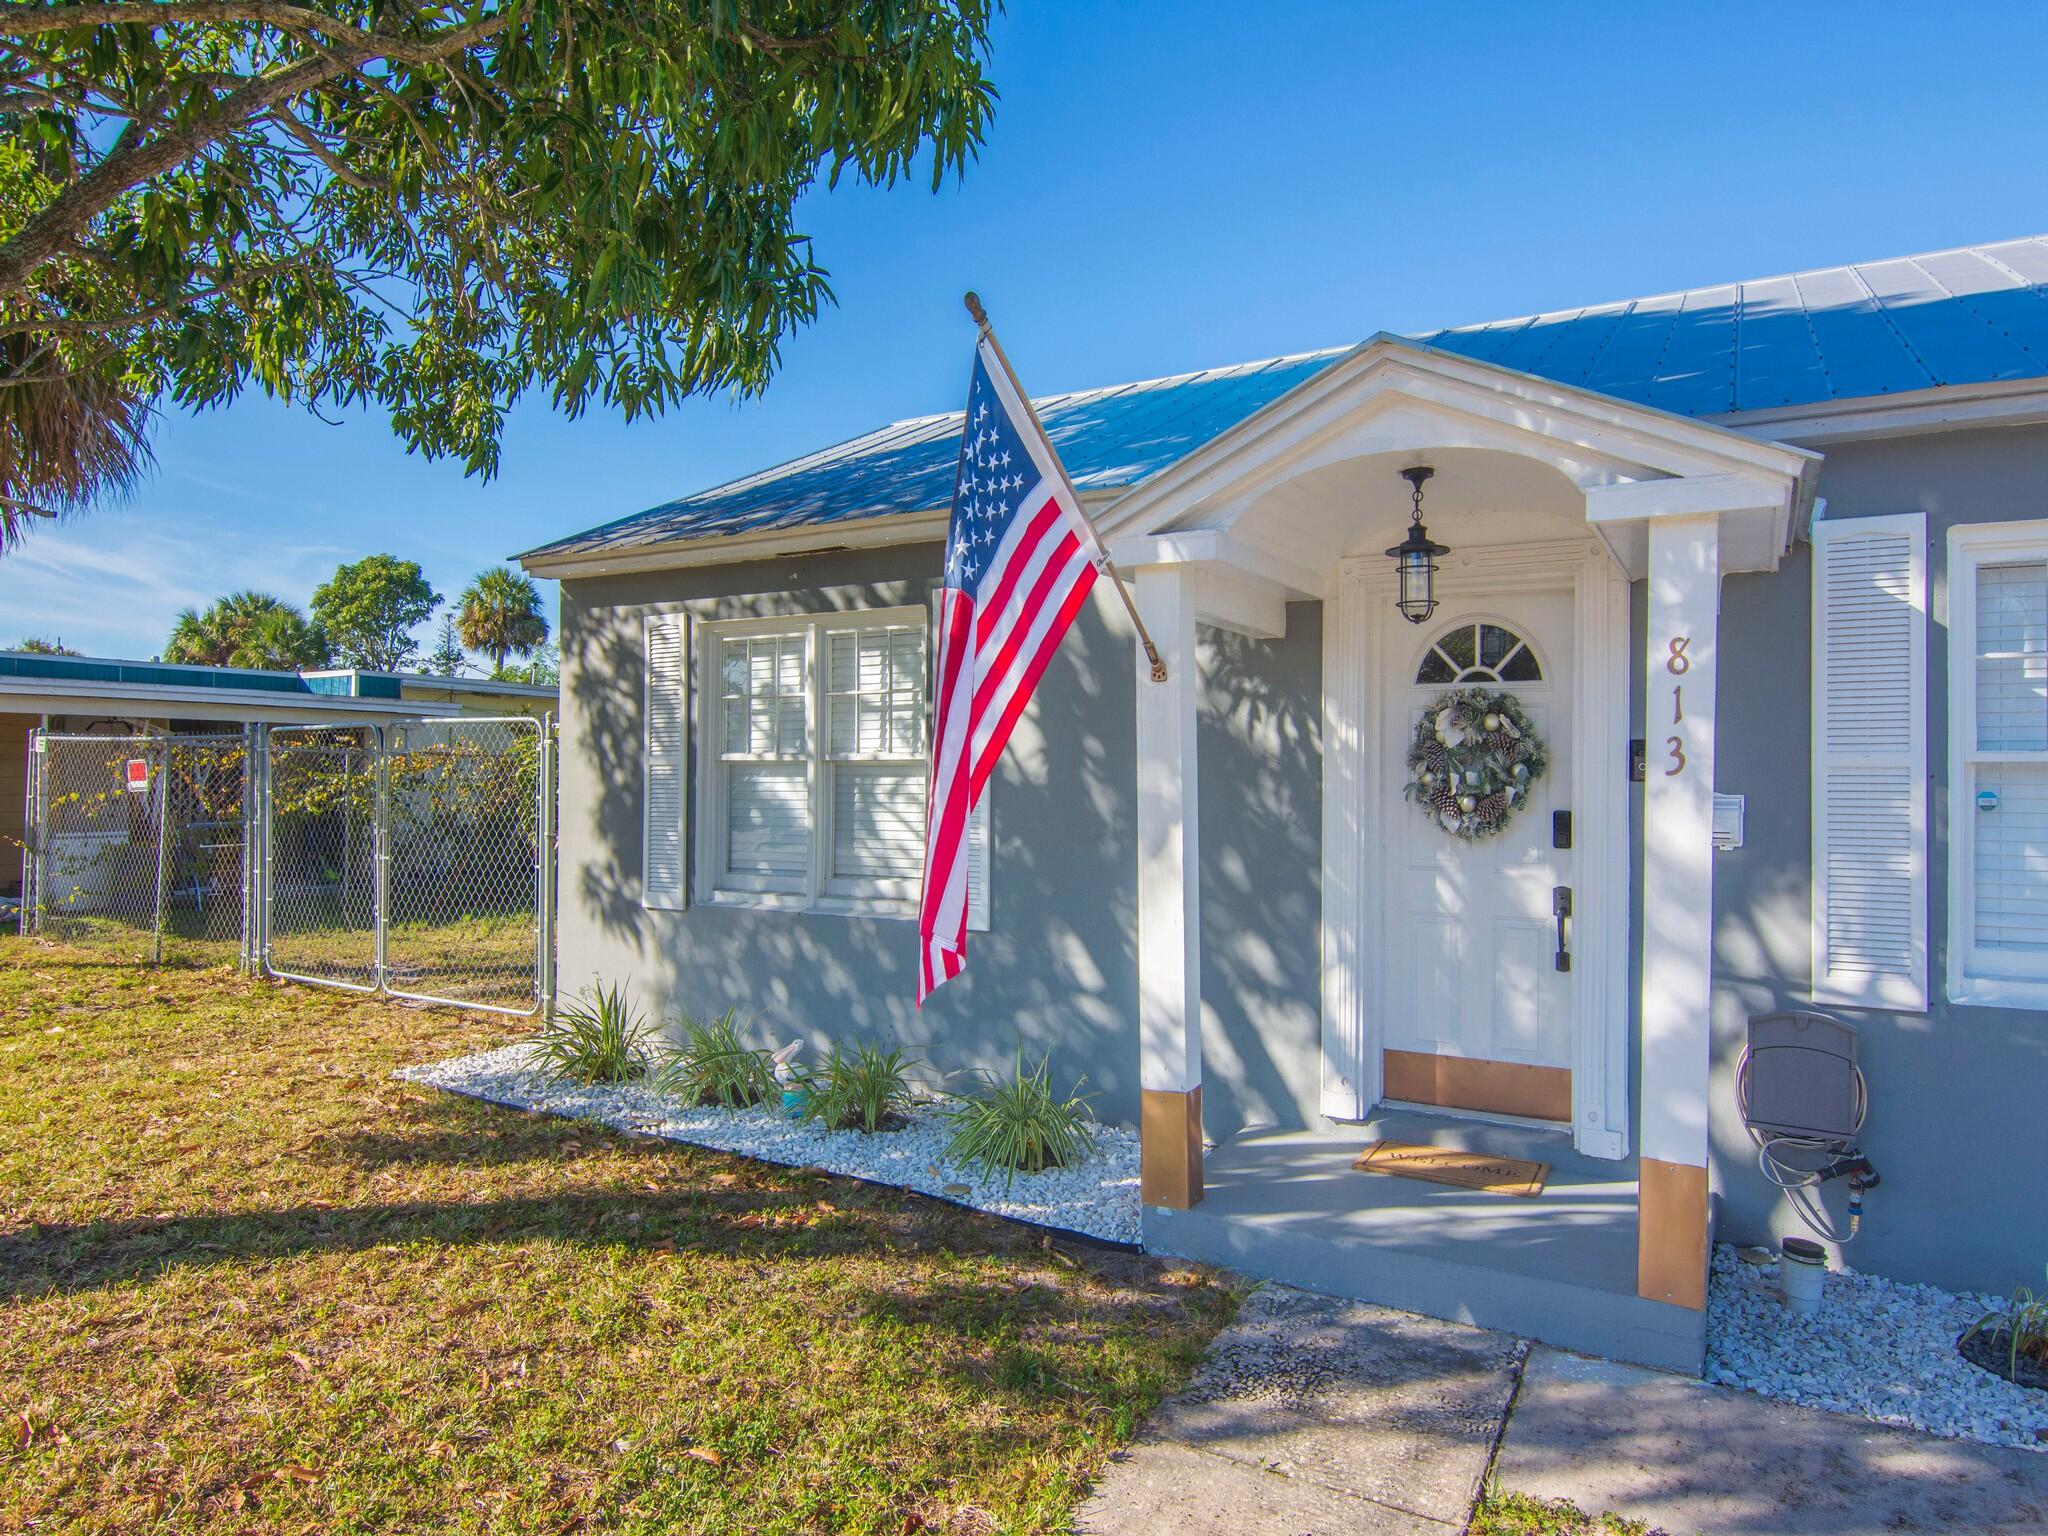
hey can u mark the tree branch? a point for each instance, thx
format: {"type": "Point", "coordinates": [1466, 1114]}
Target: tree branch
{"type": "Point", "coordinates": [21, 19]}
{"type": "Point", "coordinates": [137, 162]}
{"type": "Point", "coordinates": [327, 157]}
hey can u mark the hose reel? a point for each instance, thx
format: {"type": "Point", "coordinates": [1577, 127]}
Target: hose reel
{"type": "Point", "coordinates": [1803, 1099]}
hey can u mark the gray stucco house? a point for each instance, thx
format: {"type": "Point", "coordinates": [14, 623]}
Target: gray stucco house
{"type": "Point", "coordinates": [1765, 565]}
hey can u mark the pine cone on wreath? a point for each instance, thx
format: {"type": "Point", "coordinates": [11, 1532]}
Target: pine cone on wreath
{"type": "Point", "coordinates": [1443, 799]}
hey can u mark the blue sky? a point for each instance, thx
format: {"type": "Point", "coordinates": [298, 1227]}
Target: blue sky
{"type": "Point", "coordinates": [1170, 186]}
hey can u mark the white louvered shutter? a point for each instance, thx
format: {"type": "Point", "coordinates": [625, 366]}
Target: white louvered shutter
{"type": "Point", "coordinates": [978, 819]}
{"type": "Point", "coordinates": [1870, 762]}
{"type": "Point", "coordinates": [664, 880]}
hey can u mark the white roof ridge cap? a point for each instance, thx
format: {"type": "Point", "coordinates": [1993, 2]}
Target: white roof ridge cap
{"type": "Point", "coordinates": [1738, 284]}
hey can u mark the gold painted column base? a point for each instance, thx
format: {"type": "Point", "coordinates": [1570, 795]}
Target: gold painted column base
{"type": "Point", "coordinates": [1671, 1233]}
{"type": "Point", "coordinates": [1170, 1147]}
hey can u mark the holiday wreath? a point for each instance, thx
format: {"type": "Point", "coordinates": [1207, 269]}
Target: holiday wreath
{"type": "Point", "coordinates": [1475, 757]}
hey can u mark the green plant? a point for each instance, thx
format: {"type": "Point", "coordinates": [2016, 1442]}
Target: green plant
{"type": "Point", "coordinates": [601, 1037]}
{"type": "Point", "coordinates": [713, 1065]}
{"type": "Point", "coordinates": [1019, 1125]}
{"type": "Point", "coordinates": [865, 1089]}
{"type": "Point", "coordinates": [1500, 1513]}
{"type": "Point", "coordinates": [2023, 1321]}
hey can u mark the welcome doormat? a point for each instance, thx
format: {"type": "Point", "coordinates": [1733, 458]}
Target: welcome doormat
{"type": "Point", "coordinates": [1449, 1165]}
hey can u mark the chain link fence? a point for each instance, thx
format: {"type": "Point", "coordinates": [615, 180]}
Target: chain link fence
{"type": "Point", "coordinates": [137, 845]}
{"type": "Point", "coordinates": [317, 829]}
{"type": "Point", "coordinates": [413, 859]}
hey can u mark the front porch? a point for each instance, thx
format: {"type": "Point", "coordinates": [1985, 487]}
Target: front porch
{"type": "Point", "coordinates": [1509, 973]}
{"type": "Point", "coordinates": [1561, 1267]}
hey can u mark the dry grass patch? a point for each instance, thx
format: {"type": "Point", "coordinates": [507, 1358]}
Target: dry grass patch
{"type": "Point", "coordinates": [248, 1283]}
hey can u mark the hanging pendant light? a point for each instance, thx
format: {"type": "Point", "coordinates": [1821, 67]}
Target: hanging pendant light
{"type": "Point", "coordinates": [1415, 557]}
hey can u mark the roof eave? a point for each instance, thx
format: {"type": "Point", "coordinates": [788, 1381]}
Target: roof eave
{"type": "Point", "coordinates": [1946, 408]}
{"type": "Point", "coordinates": [30, 695]}
{"type": "Point", "coordinates": [876, 531]}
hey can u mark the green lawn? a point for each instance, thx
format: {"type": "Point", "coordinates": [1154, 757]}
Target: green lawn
{"type": "Point", "coordinates": [1518, 1514]}
{"type": "Point", "coordinates": [248, 1283]}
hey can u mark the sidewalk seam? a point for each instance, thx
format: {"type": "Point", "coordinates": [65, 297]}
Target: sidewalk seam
{"type": "Point", "coordinates": [1524, 1348]}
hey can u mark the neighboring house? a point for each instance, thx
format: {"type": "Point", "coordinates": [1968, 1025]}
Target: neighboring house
{"type": "Point", "coordinates": [89, 695]}
{"type": "Point", "coordinates": [1787, 540]}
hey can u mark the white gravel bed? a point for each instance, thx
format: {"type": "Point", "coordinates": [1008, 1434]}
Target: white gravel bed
{"type": "Point", "coordinates": [1879, 1348]}
{"type": "Point", "coordinates": [1099, 1198]}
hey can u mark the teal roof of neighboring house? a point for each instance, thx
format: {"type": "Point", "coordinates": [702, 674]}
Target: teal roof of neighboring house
{"type": "Point", "coordinates": [1974, 315]}
{"type": "Point", "coordinates": [88, 677]}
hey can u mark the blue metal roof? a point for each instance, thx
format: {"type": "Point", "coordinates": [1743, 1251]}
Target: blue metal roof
{"type": "Point", "coordinates": [1968, 316]}
{"type": "Point", "coordinates": [1106, 437]}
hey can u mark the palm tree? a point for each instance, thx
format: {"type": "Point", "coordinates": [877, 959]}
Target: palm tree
{"type": "Point", "coordinates": [283, 640]}
{"type": "Point", "coordinates": [499, 613]}
{"type": "Point", "coordinates": [247, 629]}
{"type": "Point", "coordinates": [67, 437]}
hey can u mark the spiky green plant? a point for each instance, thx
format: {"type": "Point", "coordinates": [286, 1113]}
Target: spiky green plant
{"type": "Point", "coordinates": [1019, 1125]}
{"type": "Point", "coordinates": [2023, 1320]}
{"type": "Point", "coordinates": [713, 1065]}
{"type": "Point", "coordinates": [600, 1037]}
{"type": "Point", "coordinates": [865, 1089]}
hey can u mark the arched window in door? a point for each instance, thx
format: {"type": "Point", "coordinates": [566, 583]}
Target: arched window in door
{"type": "Point", "coordinates": [1479, 652]}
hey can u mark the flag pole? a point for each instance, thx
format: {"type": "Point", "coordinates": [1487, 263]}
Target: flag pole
{"type": "Point", "coordinates": [1104, 564]}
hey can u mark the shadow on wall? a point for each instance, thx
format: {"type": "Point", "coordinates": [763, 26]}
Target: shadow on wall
{"type": "Point", "coordinates": [1953, 1092]}
{"type": "Point", "coordinates": [1056, 976]}
{"type": "Point", "coordinates": [1261, 767]}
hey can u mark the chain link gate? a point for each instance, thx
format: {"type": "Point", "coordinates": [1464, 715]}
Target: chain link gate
{"type": "Point", "coordinates": [413, 859]}
{"type": "Point", "coordinates": [138, 845]}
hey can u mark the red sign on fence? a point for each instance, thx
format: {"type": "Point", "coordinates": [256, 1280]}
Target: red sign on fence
{"type": "Point", "coordinates": [136, 776]}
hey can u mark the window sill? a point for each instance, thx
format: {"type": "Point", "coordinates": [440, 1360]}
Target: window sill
{"type": "Point", "coordinates": [1999, 992]}
{"type": "Point", "coordinates": [824, 906]}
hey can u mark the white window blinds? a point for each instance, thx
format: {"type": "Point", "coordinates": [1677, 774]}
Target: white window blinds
{"type": "Point", "coordinates": [664, 884]}
{"type": "Point", "coordinates": [1870, 762]}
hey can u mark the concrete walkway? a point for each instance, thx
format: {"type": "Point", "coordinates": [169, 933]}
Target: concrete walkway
{"type": "Point", "coordinates": [1314, 1416]}
{"type": "Point", "coordinates": [1690, 1458]}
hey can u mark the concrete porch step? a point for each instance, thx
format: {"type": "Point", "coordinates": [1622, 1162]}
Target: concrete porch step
{"type": "Point", "coordinates": [1559, 1268]}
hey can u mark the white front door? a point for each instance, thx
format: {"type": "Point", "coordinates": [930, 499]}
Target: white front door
{"type": "Point", "coordinates": [1474, 1012]}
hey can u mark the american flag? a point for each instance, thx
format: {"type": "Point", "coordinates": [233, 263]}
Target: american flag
{"type": "Point", "coordinates": [1020, 558]}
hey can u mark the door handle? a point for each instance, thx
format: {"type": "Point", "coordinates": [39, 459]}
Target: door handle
{"type": "Point", "coordinates": [1561, 909]}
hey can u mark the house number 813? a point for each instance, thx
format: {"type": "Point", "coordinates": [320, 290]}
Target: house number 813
{"type": "Point", "coordinates": [1677, 664]}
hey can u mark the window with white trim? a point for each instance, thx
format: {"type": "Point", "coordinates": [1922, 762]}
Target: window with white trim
{"type": "Point", "coordinates": [815, 759]}
{"type": "Point", "coordinates": [814, 766]}
{"type": "Point", "coordinates": [1998, 764]}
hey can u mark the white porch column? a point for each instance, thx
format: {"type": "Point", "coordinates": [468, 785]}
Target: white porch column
{"type": "Point", "coordinates": [1678, 906]}
{"type": "Point", "coordinates": [1169, 902]}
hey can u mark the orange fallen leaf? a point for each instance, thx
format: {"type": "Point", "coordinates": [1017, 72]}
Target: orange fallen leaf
{"type": "Point", "coordinates": [705, 1453]}
{"type": "Point", "coordinates": [296, 1474]}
